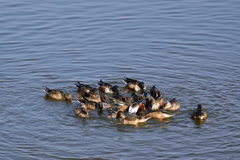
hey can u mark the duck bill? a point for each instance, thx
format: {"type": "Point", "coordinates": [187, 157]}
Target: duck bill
{"type": "Point", "coordinates": [109, 106]}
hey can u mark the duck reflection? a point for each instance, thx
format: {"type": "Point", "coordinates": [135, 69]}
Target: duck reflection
{"type": "Point", "coordinates": [199, 122]}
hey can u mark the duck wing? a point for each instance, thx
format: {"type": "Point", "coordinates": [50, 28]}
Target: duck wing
{"type": "Point", "coordinates": [129, 80]}
{"type": "Point", "coordinates": [131, 118]}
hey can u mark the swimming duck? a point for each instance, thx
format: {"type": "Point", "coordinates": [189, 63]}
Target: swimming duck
{"type": "Point", "coordinates": [199, 113]}
{"type": "Point", "coordinates": [172, 105]}
{"type": "Point", "coordinates": [155, 93]}
{"type": "Point", "coordinates": [107, 88]}
{"type": "Point", "coordinates": [153, 104]}
{"type": "Point", "coordinates": [90, 96]}
{"type": "Point", "coordinates": [133, 108]}
{"type": "Point", "coordinates": [113, 112]}
{"type": "Point", "coordinates": [156, 114]}
{"type": "Point", "coordinates": [117, 98]}
{"type": "Point", "coordinates": [130, 119]}
{"type": "Point", "coordinates": [57, 94]}
{"type": "Point", "coordinates": [90, 105]}
{"type": "Point", "coordinates": [81, 112]}
{"type": "Point", "coordinates": [104, 98]}
{"type": "Point", "coordinates": [121, 101]}
{"type": "Point", "coordinates": [134, 84]}
{"type": "Point", "coordinates": [102, 106]}
{"type": "Point", "coordinates": [136, 98]}
{"type": "Point", "coordinates": [83, 87]}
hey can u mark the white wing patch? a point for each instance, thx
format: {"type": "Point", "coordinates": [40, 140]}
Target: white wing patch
{"type": "Point", "coordinates": [133, 109]}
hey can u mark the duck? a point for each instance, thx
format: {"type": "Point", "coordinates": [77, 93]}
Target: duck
{"type": "Point", "coordinates": [107, 88]}
{"type": "Point", "coordinates": [90, 96]}
{"type": "Point", "coordinates": [156, 114]}
{"type": "Point", "coordinates": [134, 84]}
{"type": "Point", "coordinates": [133, 119]}
{"type": "Point", "coordinates": [136, 98]}
{"type": "Point", "coordinates": [199, 113]}
{"type": "Point", "coordinates": [102, 106]}
{"type": "Point", "coordinates": [117, 98]}
{"type": "Point", "coordinates": [113, 112]}
{"type": "Point", "coordinates": [121, 101]}
{"type": "Point", "coordinates": [91, 105]}
{"type": "Point", "coordinates": [153, 104]}
{"type": "Point", "coordinates": [133, 108]}
{"type": "Point", "coordinates": [172, 105]}
{"type": "Point", "coordinates": [84, 88]}
{"type": "Point", "coordinates": [104, 98]}
{"type": "Point", "coordinates": [81, 112]}
{"type": "Point", "coordinates": [123, 106]}
{"type": "Point", "coordinates": [57, 94]}
{"type": "Point", "coordinates": [155, 93]}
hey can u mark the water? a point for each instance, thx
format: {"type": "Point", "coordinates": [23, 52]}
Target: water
{"type": "Point", "coordinates": [187, 49]}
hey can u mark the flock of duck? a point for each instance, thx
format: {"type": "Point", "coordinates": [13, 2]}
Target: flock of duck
{"type": "Point", "coordinates": [139, 107]}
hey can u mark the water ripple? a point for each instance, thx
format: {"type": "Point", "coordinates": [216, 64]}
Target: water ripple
{"type": "Point", "coordinates": [187, 49]}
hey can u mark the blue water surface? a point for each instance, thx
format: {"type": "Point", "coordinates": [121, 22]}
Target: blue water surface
{"type": "Point", "coordinates": [187, 49]}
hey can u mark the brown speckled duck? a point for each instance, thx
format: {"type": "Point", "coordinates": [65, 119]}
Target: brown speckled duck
{"type": "Point", "coordinates": [121, 101]}
{"type": "Point", "coordinates": [134, 84]}
{"type": "Point", "coordinates": [57, 94]}
{"type": "Point", "coordinates": [82, 112]}
{"type": "Point", "coordinates": [172, 105]}
{"type": "Point", "coordinates": [136, 98]}
{"type": "Point", "coordinates": [90, 105]}
{"type": "Point", "coordinates": [113, 112]}
{"type": "Point", "coordinates": [134, 120]}
{"type": "Point", "coordinates": [90, 96]}
{"type": "Point", "coordinates": [156, 114]}
{"type": "Point", "coordinates": [83, 87]}
{"type": "Point", "coordinates": [117, 98]}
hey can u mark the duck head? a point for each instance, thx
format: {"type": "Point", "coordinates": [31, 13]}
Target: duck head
{"type": "Point", "coordinates": [104, 98]}
{"type": "Point", "coordinates": [199, 106]}
{"type": "Point", "coordinates": [115, 88]}
{"type": "Point", "coordinates": [68, 96]}
{"type": "Point", "coordinates": [102, 105]}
